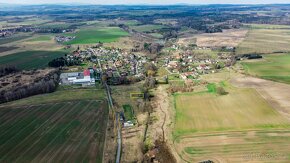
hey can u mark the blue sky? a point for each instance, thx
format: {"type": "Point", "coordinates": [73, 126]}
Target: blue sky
{"type": "Point", "coordinates": [147, 1]}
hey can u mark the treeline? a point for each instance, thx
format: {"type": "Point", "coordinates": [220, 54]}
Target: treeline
{"type": "Point", "coordinates": [5, 70]}
{"type": "Point", "coordinates": [61, 62]}
{"type": "Point", "coordinates": [46, 84]}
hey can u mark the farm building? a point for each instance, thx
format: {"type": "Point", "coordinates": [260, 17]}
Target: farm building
{"type": "Point", "coordinates": [84, 78]}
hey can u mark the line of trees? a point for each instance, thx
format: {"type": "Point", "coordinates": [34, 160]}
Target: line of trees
{"type": "Point", "coordinates": [5, 70]}
{"type": "Point", "coordinates": [62, 61]}
{"type": "Point", "coordinates": [47, 84]}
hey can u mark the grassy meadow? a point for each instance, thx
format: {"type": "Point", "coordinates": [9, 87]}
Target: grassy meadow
{"type": "Point", "coordinates": [265, 41]}
{"type": "Point", "coordinates": [95, 35]}
{"type": "Point", "coordinates": [274, 67]}
{"type": "Point", "coordinates": [30, 59]}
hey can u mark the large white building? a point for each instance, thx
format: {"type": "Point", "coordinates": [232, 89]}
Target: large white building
{"type": "Point", "coordinates": [84, 78]}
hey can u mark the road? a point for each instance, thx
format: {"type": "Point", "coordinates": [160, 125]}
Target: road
{"type": "Point", "coordinates": [111, 104]}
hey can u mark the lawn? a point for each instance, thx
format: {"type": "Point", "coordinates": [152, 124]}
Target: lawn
{"type": "Point", "coordinates": [274, 67]}
{"type": "Point", "coordinates": [147, 28]}
{"type": "Point", "coordinates": [95, 35]}
{"type": "Point", "coordinates": [55, 132]}
{"type": "Point", "coordinates": [265, 41]}
{"type": "Point", "coordinates": [31, 59]}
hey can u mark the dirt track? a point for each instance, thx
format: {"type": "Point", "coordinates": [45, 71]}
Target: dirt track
{"type": "Point", "coordinates": [276, 94]}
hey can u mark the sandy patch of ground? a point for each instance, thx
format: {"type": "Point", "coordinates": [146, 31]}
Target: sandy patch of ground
{"type": "Point", "coordinates": [227, 38]}
{"type": "Point", "coordinates": [277, 94]}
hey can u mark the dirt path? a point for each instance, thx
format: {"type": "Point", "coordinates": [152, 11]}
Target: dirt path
{"type": "Point", "coordinates": [164, 111]}
{"type": "Point", "coordinates": [276, 94]}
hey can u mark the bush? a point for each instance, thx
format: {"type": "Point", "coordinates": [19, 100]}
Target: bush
{"type": "Point", "coordinates": [221, 91]}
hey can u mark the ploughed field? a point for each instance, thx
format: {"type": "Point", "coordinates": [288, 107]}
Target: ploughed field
{"type": "Point", "coordinates": [265, 41]}
{"type": "Point", "coordinates": [238, 127]}
{"type": "Point", "coordinates": [274, 67]}
{"type": "Point", "coordinates": [53, 132]}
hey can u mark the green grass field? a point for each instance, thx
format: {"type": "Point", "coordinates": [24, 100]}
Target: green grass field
{"type": "Point", "coordinates": [265, 41]}
{"type": "Point", "coordinates": [128, 112]}
{"type": "Point", "coordinates": [31, 59]}
{"type": "Point", "coordinates": [95, 35]}
{"type": "Point", "coordinates": [274, 67]}
{"type": "Point", "coordinates": [230, 128]}
{"type": "Point", "coordinates": [147, 28]}
{"type": "Point", "coordinates": [60, 96]}
{"type": "Point", "coordinates": [41, 38]}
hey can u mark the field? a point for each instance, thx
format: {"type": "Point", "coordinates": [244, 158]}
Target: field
{"type": "Point", "coordinates": [41, 38]}
{"type": "Point", "coordinates": [147, 28]}
{"type": "Point", "coordinates": [95, 35]}
{"type": "Point", "coordinates": [13, 39]}
{"type": "Point", "coordinates": [232, 128]}
{"type": "Point", "coordinates": [64, 126]}
{"type": "Point", "coordinates": [30, 59]}
{"type": "Point", "coordinates": [274, 67]}
{"type": "Point", "coordinates": [266, 26]}
{"type": "Point", "coordinates": [54, 132]}
{"type": "Point", "coordinates": [265, 41]}
{"type": "Point", "coordinates": [229, 38]}
{"type": "Point", "coordinates": [128, 112]}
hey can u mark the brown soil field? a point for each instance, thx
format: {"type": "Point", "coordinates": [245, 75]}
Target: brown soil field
{"type": "Point", "coordinates": [230, 38]}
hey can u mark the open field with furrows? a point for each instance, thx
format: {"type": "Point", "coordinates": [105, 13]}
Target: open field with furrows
{"type": "Point", "coordinates": [95, 35]}
{"type": "Point", "coordinates": [230, 128]}
{"type": "Point", "coordinates": [265, 41]}
{"type": "Point", "coordinates": [30, 59]}
{"type": "Point", "coordinates": [274, 67]}
{"type": "Point", "coordinates": [55, 132]}
{"type": "Point", "coordinates": [230, 38]}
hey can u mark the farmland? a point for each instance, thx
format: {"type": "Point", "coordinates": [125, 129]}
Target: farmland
{"type": "Point", "coordinates": [229, 128]}
{"type": "Point", "coordinates": [265, 41]}
{"type": "Point", "coordinates": [63, 131]}
{"type": "Point", "coordinates": [95, 35]}
{"type": "Point", "coordinates": [273, 67]}
{"type": "Point", "coordinates": [147, 28]}
{"type": "Point", "coordinates": [57, 132]}
{"type": "Point", "coordinates": [30, 59]}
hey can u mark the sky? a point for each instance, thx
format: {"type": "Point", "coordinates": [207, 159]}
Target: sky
{"type": "Point", "coordinates": [108, 2]}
